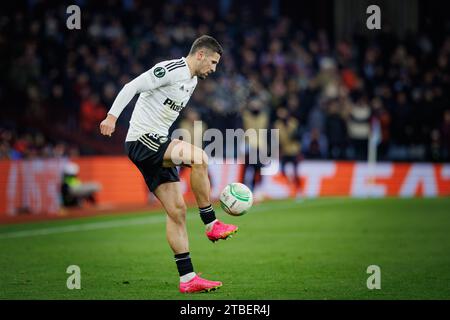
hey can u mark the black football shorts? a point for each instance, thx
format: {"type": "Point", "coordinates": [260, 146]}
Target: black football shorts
{"type": "Point", "coordinates": [147, 154]}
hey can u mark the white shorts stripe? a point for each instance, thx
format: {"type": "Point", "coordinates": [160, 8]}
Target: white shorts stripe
{"type": "Point", "coordinates": [147, 139]}
{"type": "Point", "coordinates": [148, 146]}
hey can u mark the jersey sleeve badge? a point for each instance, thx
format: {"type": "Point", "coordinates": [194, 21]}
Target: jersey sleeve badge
{"type": "Point", "coordinates": [159, 72]}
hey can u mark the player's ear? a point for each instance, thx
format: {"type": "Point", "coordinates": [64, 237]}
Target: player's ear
{"type": "Point", "coordinates": [200, 54]}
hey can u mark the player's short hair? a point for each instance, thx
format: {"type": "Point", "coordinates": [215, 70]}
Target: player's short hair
{"type": "Point", "coordinates": [206, 42]}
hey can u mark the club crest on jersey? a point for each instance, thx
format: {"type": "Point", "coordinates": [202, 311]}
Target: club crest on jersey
{"type": "Point", "coordinates": [173, 105]}
{"type": "Point", "coordinates": [159, 72]}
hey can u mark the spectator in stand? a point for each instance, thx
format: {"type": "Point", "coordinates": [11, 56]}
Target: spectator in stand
{"type": "Point", "coordinates": [92, 113]}
{"type": "Point", "coordinates": [336, 130]}
{"type": "Point", "coordinates": [384, 119]}
{"type": "Point", "coordinates": [314, 144]}
{"type": "Point", "coordinates": [5, 151]}
{"type": "Point", "coordinates": [401, 119]}
{"type": "Point", "coordinates": [290, 148]}
{"type": "Point", "coordinates": [358, 126]}
{"type": "Point", "coordinates": [445, 134]}
{"type": "Point", "coordinates": [254, 117]}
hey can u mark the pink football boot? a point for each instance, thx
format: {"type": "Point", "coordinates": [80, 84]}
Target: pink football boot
{"type": "Point", "coordinates": [198, 284]}
{"type": "Point", "coordinates": [221, 230]}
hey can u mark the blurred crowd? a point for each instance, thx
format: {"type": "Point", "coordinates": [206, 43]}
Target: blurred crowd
{"type": "Point", "coordinates": [33, 145]}
{"type": "Point", "coordinates": [323, 95]}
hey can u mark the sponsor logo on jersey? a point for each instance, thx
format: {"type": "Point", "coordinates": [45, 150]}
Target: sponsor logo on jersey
{"type": "Point", "coordinates": [173, 105]}
{"type": "Point", "coordinates": [159, 72]}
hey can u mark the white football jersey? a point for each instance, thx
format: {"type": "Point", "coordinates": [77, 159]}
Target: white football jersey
{"type": "Point", "coordinates": [164, 91]}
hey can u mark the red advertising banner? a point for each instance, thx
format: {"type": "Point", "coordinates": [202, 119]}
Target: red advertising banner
{"type": "Point", "coordinates": [34, 186]}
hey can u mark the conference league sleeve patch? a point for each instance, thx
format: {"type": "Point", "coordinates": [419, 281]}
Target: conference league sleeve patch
{"type": "Point", "coordinates": [159, 72]}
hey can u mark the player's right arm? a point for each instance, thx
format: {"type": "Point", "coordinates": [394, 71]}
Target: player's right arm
{"type": "Point", "coordinates": [149, 80]}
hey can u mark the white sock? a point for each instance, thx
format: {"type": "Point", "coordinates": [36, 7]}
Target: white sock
{"type": "Point", "coordinates": [209, 225]}
{"type": "Point", "coordinates": [187, 277]}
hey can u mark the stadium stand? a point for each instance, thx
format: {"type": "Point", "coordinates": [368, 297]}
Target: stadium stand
{"type": "Point", "coordinates": [69, 79]}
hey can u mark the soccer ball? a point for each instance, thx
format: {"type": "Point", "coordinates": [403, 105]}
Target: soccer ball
{"type": "Point", "coordinates": [236, 199]}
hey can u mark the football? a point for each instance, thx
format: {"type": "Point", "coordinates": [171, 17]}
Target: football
{"type": "Point", "coordinates": [236, 199]}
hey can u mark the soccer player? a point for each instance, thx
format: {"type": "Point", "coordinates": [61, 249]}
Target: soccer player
{"type": "Point", "coordinates": [164, 91]}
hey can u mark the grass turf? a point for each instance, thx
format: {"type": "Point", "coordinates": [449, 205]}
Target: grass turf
{"type": "Point", "coordinates": [314, 249]}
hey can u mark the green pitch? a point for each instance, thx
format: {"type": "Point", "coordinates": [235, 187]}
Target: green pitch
{"type": "Point", "coordinates": [315, 249]}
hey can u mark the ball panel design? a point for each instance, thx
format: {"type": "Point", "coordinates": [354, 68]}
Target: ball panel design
{"type": "Point", "coordinates": [236, 199]}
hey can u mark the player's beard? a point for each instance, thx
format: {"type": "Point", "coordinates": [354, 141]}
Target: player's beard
{"type": "Point", "coordinates": [203, 76]}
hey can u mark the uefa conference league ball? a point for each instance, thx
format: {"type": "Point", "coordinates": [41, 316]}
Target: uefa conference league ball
{"type": "Point", "coordinates": [236, 199]}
